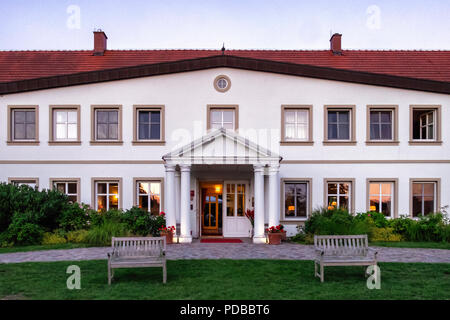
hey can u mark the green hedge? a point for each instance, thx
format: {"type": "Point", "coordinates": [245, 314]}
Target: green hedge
{"type": "Point", "coordinates": [433, 227]}
{"type": "Point", "coordinates": [29, 216]}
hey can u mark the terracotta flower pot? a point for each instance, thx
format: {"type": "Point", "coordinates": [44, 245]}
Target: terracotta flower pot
{"type": "Point", "coordinates": [275, 238]}
{"type": "Point", "coordinates": [169, 237]}
{"type": "Point", "coordinates": [283, 235]}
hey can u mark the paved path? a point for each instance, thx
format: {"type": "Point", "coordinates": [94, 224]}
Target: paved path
{"type": "Point", "coordinates": [198, 250]}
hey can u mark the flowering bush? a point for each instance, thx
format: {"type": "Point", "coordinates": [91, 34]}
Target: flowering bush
{"type": "Point", "coordinates": [170, 229]}
{"type": "Point", "coordinates": [275, 229]}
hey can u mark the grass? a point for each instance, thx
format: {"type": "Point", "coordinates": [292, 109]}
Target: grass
{"type": "Point", "coordinates": [224, 279]}
{"type": "Point", "coordinates": [43, 247]}
{"type": "Point", "coordinates": [410, 244]}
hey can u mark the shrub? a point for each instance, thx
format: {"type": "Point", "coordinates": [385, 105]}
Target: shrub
{"type": "Point", "coordinates": [336, 222]}
{"type": "Point", "coordinates": [384, 234]}
{"type": "Point", "coordinates": [78, 236]}
{"type": "Point", "coordinates": [45, 206]}
{"type": "Point", "coordinates": [24, 229]}
{"type": "Point", "coordinates": [138, 221]}
{"type": "Point", "coordinates": [53, 238]}
{"type": "Point", "coordinates": [74, 217]}
{"type": "Point", "coordinates": [101, 234]}
{"type": "Point", "coordinates": [379, 219]}
{"type": "Point", "coordinates": [428, 228]}
{"type": "Point", "coordinates": [98, 218]}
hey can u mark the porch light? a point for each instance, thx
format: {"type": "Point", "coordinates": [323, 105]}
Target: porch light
{"type": "Point", "coordinates": [218, 188]}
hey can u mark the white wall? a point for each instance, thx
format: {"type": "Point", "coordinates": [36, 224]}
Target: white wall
{"type": "Point", "coordinates": [259, 96]}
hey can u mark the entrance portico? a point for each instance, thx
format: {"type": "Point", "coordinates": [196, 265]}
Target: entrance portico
{"type": "Point", "coordinates": [221, 149]}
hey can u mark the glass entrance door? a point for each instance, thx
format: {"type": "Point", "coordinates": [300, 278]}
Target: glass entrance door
{"type": "Point", "coordinates": [212, 210]}
{"type": "Point", "coordinates": [236, 224]}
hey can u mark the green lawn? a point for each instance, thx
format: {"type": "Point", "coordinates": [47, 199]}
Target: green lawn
{"type": "Point", "coordinates": [407, 244]}
{"type": "Point", "coordinates": [43, 247]}
{"type": "Point", "coordinates": [225, 279]}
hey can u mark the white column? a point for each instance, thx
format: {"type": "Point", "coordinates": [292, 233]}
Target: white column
{"type": "Point", "coordinates": [274, 196]}
{"type": "Point", "coordinates": [185, 219]}
{"type": "Point", "coordinates": [169, 195]}
{"type": "Point", "coordinates": [258, 232]}
{"type": "Point", "coordinates": [177, 195]}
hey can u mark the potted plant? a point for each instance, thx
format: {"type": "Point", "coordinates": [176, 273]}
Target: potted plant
{"type": "Point", "coordinates": [250, 214]}
{"type": "Point", "coordinates": [274, 233]}
{"type": "Point", "coordinates": [168, 233]}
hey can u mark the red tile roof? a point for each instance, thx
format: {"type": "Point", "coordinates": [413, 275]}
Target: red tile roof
{"type": "Point", "coordinates": [23, 65]}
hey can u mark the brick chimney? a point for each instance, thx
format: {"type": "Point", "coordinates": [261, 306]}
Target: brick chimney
{"type": "Point", "coordinates": [99, 42]}
{"type": "Point", "coordinates": [335, 44]}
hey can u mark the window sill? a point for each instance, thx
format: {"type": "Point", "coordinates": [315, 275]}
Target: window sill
{"type": "Point", "coordinates": [424, 143]}
{"type": "Point", "coordinates": [339, 143]}
{"type": "Point", "coordinates": [296, 143]}
{"type": "Point", "coordinates": [383, 143]}
{"type": "Point", "coordinates": [148, 142]}
{"type": "Point", "coordinates": [62, 143]}
{"type": "Point", "coordinates": [22, 143]}
{"type": "Point", "coordinates": [105, 143]}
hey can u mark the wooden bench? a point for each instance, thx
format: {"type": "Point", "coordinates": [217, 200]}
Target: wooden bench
{"type": "Point", "coordinates": [137, 252]}
{"type": "Point", "coordinates": [342, 251]}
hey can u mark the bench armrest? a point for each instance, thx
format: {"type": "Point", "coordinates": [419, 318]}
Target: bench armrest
{"type": "Point", "coordinates": [375, 251]}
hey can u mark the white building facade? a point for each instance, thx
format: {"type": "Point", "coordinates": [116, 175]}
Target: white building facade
{"type": "Point", "coordinates": [206, 145]}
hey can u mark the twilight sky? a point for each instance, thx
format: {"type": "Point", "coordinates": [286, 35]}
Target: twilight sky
{"type": "Point", "coordinates": [244, 24]}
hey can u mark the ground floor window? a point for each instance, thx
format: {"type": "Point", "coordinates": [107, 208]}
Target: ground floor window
{"type": "Point", "coordinates": [296, 199]}
{"type": "Point", "coordinates": [381, 197]}
{"type": "Point", "coordinates": [69, 187]}
{"type": "Point", "coordinates": [31, 182]}
{"type": "Point", "coordinates": [106, 195]}
{"type": "Point", "coordinates": [339, 195]}
{"type": "Point", "coordinates": [149, 196]}
{"type": "Point", "coordinates": [424, 197]}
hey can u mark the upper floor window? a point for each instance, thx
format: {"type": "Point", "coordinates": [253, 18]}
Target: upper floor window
{"type": "Point", "coordinates": [382, 125]}
{"type": "Point", "coordinates": [23, 124]}
{"type": "Point", "coordinates": [339, 124]}
{"type": "Point", "coordinates": [222, 117]}
{"type": "Point", "coordinates": [148, 124]}
{"type": "Point", "coordinates": [107, 124]}
{"type": "Point", "coordinates": [425, 124]}
{"type": "Point", "coordinates": [65, 124]}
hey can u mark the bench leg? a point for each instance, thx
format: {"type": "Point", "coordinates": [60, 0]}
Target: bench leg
{"type": "Point", "coordinates": [315, 269]}
{"type": "Point", "coordinates": [321, 273]}
{"type": "Point", "coordinates": [164, 273]}
{"type": "Point", "coordinates": [109, 274]}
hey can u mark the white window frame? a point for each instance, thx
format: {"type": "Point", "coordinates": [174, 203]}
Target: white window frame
{"type": "Point", "coordinates": [380, 195]}
{"type": "Point", "coordinates": [66, 187]}
{"type": "Point", "coordinates": [350, 122]}
{"type": "Point", "coordinates": [107, 194]}
{"type": "Point", "coordinates": [423, 196]}
{"type": "Point", "coordinates": [222, 122]}
{"type": "Point", "coordinates": [338, 194]}
{"type": "Point", "coordinates": [296, 218]}
{"type": "Point", "coordinates": [427, 125]}
{"type": "Point", "coordinates": [296, 124]}
{"type": "Point", "coordinates": [378, 111]}
{"type": "Point", "coordinates": [149, 194]}
{"type": "Point", "coordinates": [66, 124]}
{"type": "Point", "coordinates": [96, 124]}
{"type": "Point", "coordinates": [13, 123]}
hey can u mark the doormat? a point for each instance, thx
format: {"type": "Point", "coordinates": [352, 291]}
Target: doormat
{"type": "Point", "coordinates": [220, 240]}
